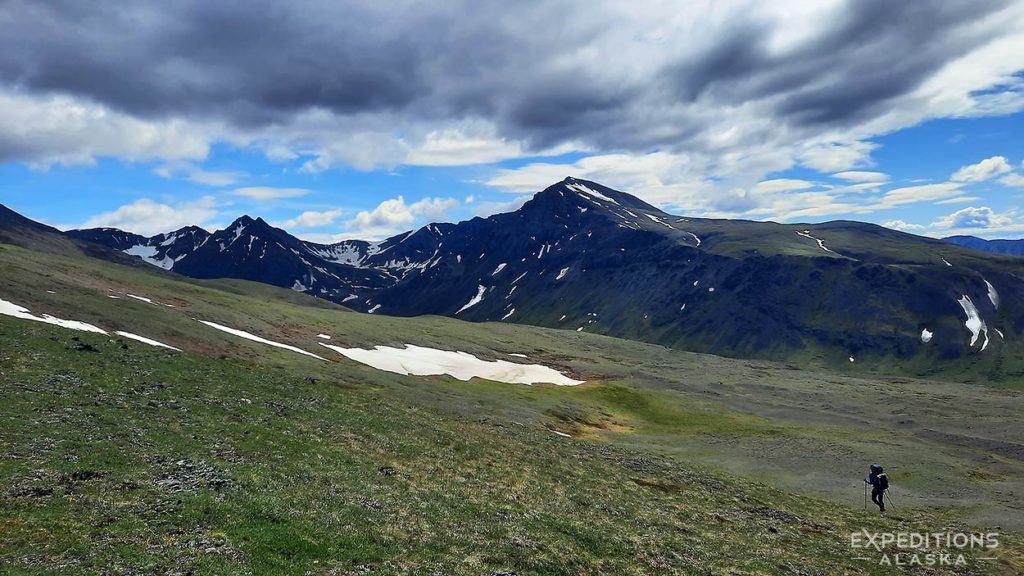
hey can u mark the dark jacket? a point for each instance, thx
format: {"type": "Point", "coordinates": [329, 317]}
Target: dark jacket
{"type": "Point", "coordinates": [879, 481]}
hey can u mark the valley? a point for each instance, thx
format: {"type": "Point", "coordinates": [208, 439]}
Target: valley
{"type": "Point", "coordinates": [694, 447]}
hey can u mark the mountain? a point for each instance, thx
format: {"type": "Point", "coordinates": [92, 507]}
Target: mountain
{"type": "Point", "coordinates": [217, 459]}
{"type": "Point", "coordinates": [585, 257]}
{"type": "Point", "coordinates": [20, 231]}
{"type": "Point", "coordinates": [250, 249]}
{"type": "Point", "coordinates": [1009, 247]}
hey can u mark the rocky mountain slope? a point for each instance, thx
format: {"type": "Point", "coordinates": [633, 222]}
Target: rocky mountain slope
{"type": "Point", "coordinates": [584, 257]}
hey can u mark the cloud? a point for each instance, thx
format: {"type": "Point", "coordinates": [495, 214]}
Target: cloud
{"type": "Point", "coordinates": [269, 193]}
{"type": "Point", "coordinates": [312, 219]}
{"type": "Point", "coordinates": [42, 130]}
{"type": "Point", "coordinates": [833, 156]}
{"type": "Point", "coordinates": [193, 173]}
{"type": "Point", "coordinates": [921, 193]}
{"type": "Point", "coordinates": [359, 84]}
{"type": "Point", "coordinates": [987, 169]}
{"type": "Point", "coordinates": [395, 215]}
{"type": "Point", "coordinates": [973, 217]}
{"type": "Point", "coordinates": [903, 226]}
{"type": "Point", "coordinates": [150, 218]}
{"type": "Point", "coordinates": [860, 176]}
{"type": "Point", "coordinates": [782, 185]}
{"type": "Point", "coordinates": [1013, 180]}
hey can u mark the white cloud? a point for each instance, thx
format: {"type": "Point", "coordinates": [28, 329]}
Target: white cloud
{"type": "Point", "coordinates": [957, 200]}
{"type": "Point", "coordinates": [312, 219]}
{"type": "Point", "coordinates": [861, 176]}
{"type": "Point", "coordinates": [193, 173]}
{"type": "Point", "coordinates": [985, 170]}
{"type": "Point", "coordinates": [43, 131]}
{"type": "Point", "coordinates": [781, 185]}
{"type": "Point", "coordinates": [922, 193]}
{"type": "Point", "coordinates": [395, 215]}
{"type": "Point", "coordinates": [1013, 180]}
{"type": "Point", "coordinates": [660, 178]}
{"type": "Point", "coordinates": [973, 217]}
{"type": "Point", "coordinates": [903, 226]}
{"type": "Point", "coordinates": [150, 218]}
{"type": "Point", "coordinates": [836, 156]}
{"type": "Point", "coordinates": [460, 147]}
{"type": "Point", "coordinates": [269, 193]}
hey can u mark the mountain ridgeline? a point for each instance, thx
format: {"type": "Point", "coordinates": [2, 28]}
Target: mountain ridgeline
{"type": "Point", "coordinates": [1010, 247]}
{"type": "Point", "coordinates": [582, 256]}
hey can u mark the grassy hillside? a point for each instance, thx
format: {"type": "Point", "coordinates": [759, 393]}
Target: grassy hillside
{"type": "Point", "coordinates": [234, 457]}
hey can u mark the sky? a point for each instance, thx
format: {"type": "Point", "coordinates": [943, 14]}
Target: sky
{"type": "Point", "coordinates": [363, 119]}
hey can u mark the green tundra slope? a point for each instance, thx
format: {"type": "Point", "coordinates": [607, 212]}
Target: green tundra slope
{"type": "Point", "coordinates": [234, 457]}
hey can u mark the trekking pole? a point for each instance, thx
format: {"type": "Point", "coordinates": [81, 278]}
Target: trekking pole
{"type": "Point", "coordinates": [865, 496]}
{"type": "Point", "coordinates": [888, 492]}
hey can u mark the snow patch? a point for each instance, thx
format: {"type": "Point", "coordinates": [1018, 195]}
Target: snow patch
{"type": "Point", "coordinates": [148, 253]}
{"type": "Point", "coordinates": [517, 355]}
{"type": "Point", "coordinates": [926, 335]}
{"type": "Point", "coordinates": [510, 312]}
{"type": "Point", "coordinates": [140, 298]}
{"type": "Point", "coordinates": [422, 361]}
{"type": "Point", "coordinates": [13, 310]}
{"type": "Point", "coordinates": [562, 273]}
{"type": "Point", "coordinates": [323, 336]}
{"type": "Point", "coordinates": [499, 268]}
{"type": "Point", "coordinates": [254, 338]}
{"type": "Point", "coordinates": [944, 261]}
{"type": "Point", "coordinates": [974, 323]}
{"type": "Point", "coordinates": [821, 243]}
{"type": "Point", "coordinates": [145, 340]}
{"type": "Point", "coordinates": [474, 300]}
{"type": "Point", "coordinates": [993, 296]}
{"type": "Point", "coordinates": [582, 189]}
{"type": "Point", "coordinates": [374, 309]}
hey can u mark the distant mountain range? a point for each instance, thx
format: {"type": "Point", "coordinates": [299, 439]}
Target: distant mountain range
{"type": "Point", "coordinates": [582, 256]}
{"type": "Point", "coordinates": [1010, 247]}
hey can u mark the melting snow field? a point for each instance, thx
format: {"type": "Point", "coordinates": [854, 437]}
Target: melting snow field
{"type": "Point", "coordinates": [821, 243]}
{"type": "Point", "coordinates": [993, 296]}
{"type": "Point", "coordinates": [475, 299]}
{"type": "Point", "coordinates": [12, 309]}
{"type": "Point", "coordinates": [422, 361]}
{"type": "Point", "coordinates": [255, 338]}
{"type": "Point", "coordinates": [974, 323]}
{"type": "Point", "coordinates": [145, 340]}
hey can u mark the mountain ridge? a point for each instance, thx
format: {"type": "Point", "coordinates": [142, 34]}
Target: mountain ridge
{"type": "Point", "coordinates": [582, 256]}
{"type": "Point", "coordinates": [997, 246]}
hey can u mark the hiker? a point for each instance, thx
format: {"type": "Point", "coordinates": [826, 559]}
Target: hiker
{"type": "Point", "coordinates": [879, 484]}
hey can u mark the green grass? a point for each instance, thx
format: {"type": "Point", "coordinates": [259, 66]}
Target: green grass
{"type": "Point", "coordinates": [237, 458]}
{"type": "Point", "coordinates": [276, 474]}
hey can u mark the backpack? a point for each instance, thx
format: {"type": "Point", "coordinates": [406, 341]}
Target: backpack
{"type": "Point", "coordinates": [883, 481]}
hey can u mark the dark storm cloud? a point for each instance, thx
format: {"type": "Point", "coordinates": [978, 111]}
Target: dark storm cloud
{"type": "Point", "coordinates": [870, 52]}
{"type": "Point", "coordinates": [530, 68]}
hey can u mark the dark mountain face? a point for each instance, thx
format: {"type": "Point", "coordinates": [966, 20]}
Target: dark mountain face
{"type": "Point", "coordinates": [1009, 247]}
{"type": "Point", "coordinates": [584, 257]}
{"type": "Point", "coordinates": [162, 250]}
